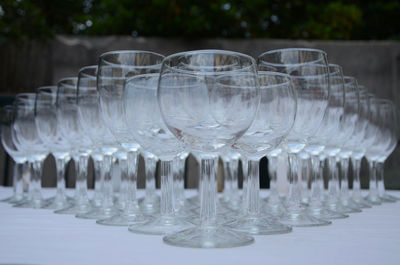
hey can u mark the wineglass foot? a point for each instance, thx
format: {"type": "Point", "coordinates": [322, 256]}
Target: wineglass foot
{"type": "Point", "coordinates": [208, 237]}
{"type": "Point", "coordinates": [77, 208]}
{"type": "Point", "coordinates": [373, 199]}
{"type": "Point", "coordinates": [259, 225]}
{"type": "Point", "coordinates": [35, 204]}
{"type": "Point", "coordinates": [361, 202]}
{"type": "Point", "coordinates": [162, 225]}
{"type": "Point", "coordinates": [99, 213]}
{"type": "Point", "coordinates": [302, 219]}
{"type": "Point", "coordinates": [388, 198]}
{"type": "Point", "coordinates": [57, 203]}
{"type": "Point", "coordinates": [321, 212]}
{"type": "Point", "coordinates": [124, 219]}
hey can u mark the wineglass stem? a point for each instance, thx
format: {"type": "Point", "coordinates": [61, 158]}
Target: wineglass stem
{"type": "Point", "coordinates": [36, 181]}
{"type": "Point", "coordinates": [372, 178]}
{"type": "Point", "coordinates": [234, 182]}
{"type": "Point", "coordinates": [305, 177]}
{"type": "Point", "coordinates": [294, 196]}
{"type": "Point", "coordinates": [18, 189]}
{"type": "Point", "coordinates": [107, 201]}
{"type": "Point", "coordinates": [98, 181]}
{"type": "Point", "coordinates": [317, 184]}
{"type": "Point", "coordinates": [81, 180]}
{"type": "Point", "coordinates": [167, 188]}
{"type": "Point", "coordinates": [208, 191]}
{"type": "Point", "coordinates": [132, 166]}
{"type": "Point", "coordinates": [344, 183]}
{"type": "Point", "coordinates": [380, 178]}
{"type": "Point", "coordinates": [253, 188]}
{"type": "Point", "coordinates": [227, 180]}
{"type": "Point", "coordinates": [150, 164]}
{"type": "Point", "coordinates": [60, 167]}
{"type": "Point", "coordinates": [356, 179]}
{"type": "Point", "coordinates": [333, 178]}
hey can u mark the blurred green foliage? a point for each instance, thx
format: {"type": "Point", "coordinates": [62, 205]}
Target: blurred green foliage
{"type": "Point", "coordinates": [290, 19]}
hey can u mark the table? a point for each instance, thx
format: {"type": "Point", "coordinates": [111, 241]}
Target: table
{"type": "Point", "coordinates": [29, 236]}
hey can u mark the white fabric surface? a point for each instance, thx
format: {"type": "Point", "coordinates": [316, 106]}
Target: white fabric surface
{"type": "Point", "coordinates": [29, 236]}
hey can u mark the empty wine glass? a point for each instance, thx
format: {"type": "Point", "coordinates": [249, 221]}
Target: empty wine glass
{"type": "Point", "coordinates": [356, 146]}
{"type": "Point", "coordinates": [383, 144]}
{"type": "Point", "coordinates": [207, 105]}
{"type": "Point", "coordinates": [49, 133]}
{"type": "Point", "coordinates": [321, 144]}
{"type": "Point", "coordinates": [146, 125]}
{"type": "Point", "coordinates": [28, 141]}
{"type": "Point", "coordinates": [72, 132]}
{"type": "Point", "coordinates": [309, 71]}
{"type": "Point", "coordinates": [20, 158]}
{"type": "Point", "coordinates": [273, 121]}
{"type": "Point", "coordinates": [388, 132]}
{"type": "Point", "coordinates": [114, 69]}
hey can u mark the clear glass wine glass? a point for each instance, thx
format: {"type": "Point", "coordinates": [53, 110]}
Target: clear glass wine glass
{"type": "Point", "coordinates": [79, 144]}
{"type": "Point", "coordinates": [380, 110]}
{"type": "Point", "coordinates": [388, 129]}
{"type": "Point", "coordinates": [146, 125]}
{"type": "Point", "coordinates": [150, 203]}
{"type": "Point", "coordinates": [330, 127]}
{"type": "Point", "coordinates": [273, 121]}
{"type": "Point", "coordinates": [28, 141]}
{"type": "Point", "coordinates": [89, 113]}
{"type": "Point", "coordinates": [20, 158]}
{"type": "Point", "coordinates": [310, 74]}
{"type": "Point", "coordinates": [207, 105]}
{"type": "Point", "coordinates": [350, 123]}
{"type": "Point", "coordinates": [357, 143]}
{"type": "Point", "coordinates": [50, 135]}
{"type": "Point", "coordinates": [113, 70]}
{"type": "Point", "coordinates": [332, 150]}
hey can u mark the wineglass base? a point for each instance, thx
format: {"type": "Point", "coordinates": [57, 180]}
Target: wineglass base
{"type": "Point", "coordinates": [35, 204]}
{"type": "Point", "coordinates": [302, 219]}
{"type": "Point", "coordinates": [259, 225]}
{"type": "Point", "coordinates": [80, 208]}
{"type": "Point", "coordinates": [351, 205]}
{"type": "Point", "coordinates": [99, 213]}
{"type": "Point", "coordinates": [220, 220]}
{"type": "Point", "coordinates": [208, 237]}
{"type": "Point", "coordinates": [276, 208]}
{"type": "Point", "coordinates": [361, 202]}
{"type": "Point", "coordinates": [373, 199]}
{"type": "Point", "coordinates": [325, 214]}
{"type": "Point", "coordinates": [57, 203]}
{"type": "Point", "coordinates": [388, 198]}
{"type": "Point", "coordinates": [124, 219]}
{"type": "Point", "coordinates": [13, 199]}
{"type": "Point", "coordinates": [162, 225]}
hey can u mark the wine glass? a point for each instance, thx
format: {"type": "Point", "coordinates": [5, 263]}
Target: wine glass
{"type": "Point", "coordinates": [19, 157]}
{"type": "Point", "coordinates": [90, 113]}
{"type": "Point", "coordinates": [310, 74]}
{"type": "Point", "coordinates": [80, 145]}
{"type": "Point", "coordinates": [350, 123]}
{"type": "Point", "coordinates": [207, 105]}
{"type": "Point", "coordinates": [274, 119]}
{"type": "Point", "coordinates": [330, 127]}
{"type": "Point", "coordinates": [333, 146]}
{"type": "Point", "coordinates": [49, 133]}
{"type": "Point", "coordinates": [388, 129]}
{"type": "Point", "coordinates": [114, 69]}
{"type": "Point", "coordinates": [357, 143]}
{"type": "Point", "coordinates": [382, 146]}
{"type": "Point", "coordinates": [144, 121]}
{"type": "Point", "coordinates": [26, 139]}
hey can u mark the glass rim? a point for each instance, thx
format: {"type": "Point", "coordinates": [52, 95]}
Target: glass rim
{"type": "Point", "coordinates": [103, 55]}
{"type": "Point", "coordinates": [272, 73]}
{"type": "Point", "coordinates": [290, 49]}
{"type": "Point", "coordinates": [209, 51]}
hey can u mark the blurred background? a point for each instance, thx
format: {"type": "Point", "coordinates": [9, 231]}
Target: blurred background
{"type": "Point", "coordinates": [42, 41]}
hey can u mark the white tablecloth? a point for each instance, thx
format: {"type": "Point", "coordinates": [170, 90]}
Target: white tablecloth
{"type": "Point", "coordinates": [29, 236]}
